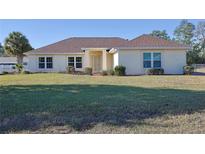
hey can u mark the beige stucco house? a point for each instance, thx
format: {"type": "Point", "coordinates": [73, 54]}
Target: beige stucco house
{"type": "Point", "coordinates": [104, 53]}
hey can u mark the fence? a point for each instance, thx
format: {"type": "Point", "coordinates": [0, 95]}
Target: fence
{"type": "Point", "coordinates": [199, 67]}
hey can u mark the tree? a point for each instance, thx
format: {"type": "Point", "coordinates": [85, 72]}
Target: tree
{"type": "Point", "coordinates": [17, 44]}
{"type": "Point", "coordinates": [200, 35]}
{"type": "Point", "coordinates": [197, 55]}
{"type": "Point", "coordinates": [161, 34]}
{"type": "Point", "coordinates": [184, 33]}
{"type": "Point", "coordinates": [193, 55]}
{"type": "Point", "coordinates": [1, 50]}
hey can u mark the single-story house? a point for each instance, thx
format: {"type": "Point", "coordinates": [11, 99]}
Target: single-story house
{"type": "Point", "coordinates": [8, 63]}
{"type": "Point", "coordinates": [104, 53]}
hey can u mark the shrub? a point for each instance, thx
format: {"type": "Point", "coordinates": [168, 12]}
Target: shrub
{"type": "Point", "coordinates": [26, 72]}
{"type": "Point", "coordinates": [79, 73]}
{"type": "Point", "coordinates": [104, 73]}
{"type": "Point", "coordinates": [70, 70]}
{"type": "Point", "coordinates": [111, 72]}
{"type": "Point", "coordinates": [120, 70]}
{"type": "Point", "coordinates": [155, 71]}
{"type": "Point", "coordinates": [188, 70]}
{"type": "Point", "coordinates": [4, 72]}
{"type": "Point", "coordinates": [19, 68]}
{"type": "Point", "coordinates": [88, 70]}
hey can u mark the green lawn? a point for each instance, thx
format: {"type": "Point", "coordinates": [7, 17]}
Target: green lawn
{"type": "Point", "coordinates": [61, 103]}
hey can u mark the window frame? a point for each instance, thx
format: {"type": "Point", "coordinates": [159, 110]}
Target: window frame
{"type": "Point", "coordinates": [39, 62]}
{"type": "Point", "coordinates": [157, 60]}
{"type": "Point", "coordinates": [75, 61]}
{"type": "Point", "coordinates": [81, 62]}
{"type": "Point", "coordinates": [71, 62]}
{"type": "Point", "coordinates": [147, 60]}
{"type": "Point", "coordinates": [153, 60]}
{"type": "Point", "coordinates": [49, 62]}
{"type": "Point", "coordinates": [45, 62]}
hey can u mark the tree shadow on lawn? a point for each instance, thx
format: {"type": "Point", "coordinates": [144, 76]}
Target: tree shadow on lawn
{"type": "Point", "coordinates": [31, 107]}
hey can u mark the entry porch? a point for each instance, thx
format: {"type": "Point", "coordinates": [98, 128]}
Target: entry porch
{"type": "Point", "coordinates": [98, 59]}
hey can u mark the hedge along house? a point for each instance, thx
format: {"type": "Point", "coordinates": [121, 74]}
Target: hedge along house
{"type": "Point", "coordinates": [104, 53]}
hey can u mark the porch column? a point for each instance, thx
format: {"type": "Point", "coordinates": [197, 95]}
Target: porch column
{"type": "Point", "coordinates": [104, 60]}
{"type": "Point", "coordinates": [87, 59]}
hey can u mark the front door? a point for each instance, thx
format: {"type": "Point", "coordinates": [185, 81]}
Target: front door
{"type": "Point", "coordinates": [96, 63]}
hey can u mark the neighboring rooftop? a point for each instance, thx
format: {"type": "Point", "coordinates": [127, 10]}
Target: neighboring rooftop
{"type": "Point", "coordinates": [75, 44]}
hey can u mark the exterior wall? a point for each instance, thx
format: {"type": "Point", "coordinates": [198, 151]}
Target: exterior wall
{"type": "Point", "coordinates": [115, 59]}
{"type": "Point", "coordinates": [96, 61]}
{"type": "Point", "coordinates": [87, 59]}
{"type": "Point", "coordinates": [171, 61]}
{"type": "Point", "coordinates": [7, 64]}
{"type": "Point", "coordinates": [109, 61]}
{"type": "Point", "coordinates": [8, 60]}
{"type": "Point", "coordinates": [132, 60]}
{"type": "Point", "coordinates": [60, 62]}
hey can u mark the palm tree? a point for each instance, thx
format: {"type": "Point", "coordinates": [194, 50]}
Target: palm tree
{"type": "Point", "coordinates": [17, 44]}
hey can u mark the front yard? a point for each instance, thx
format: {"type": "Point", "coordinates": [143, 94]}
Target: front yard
{"type": "Point", "coordinates": [61, 103]}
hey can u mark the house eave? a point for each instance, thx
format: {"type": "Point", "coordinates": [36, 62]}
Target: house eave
{"type": "Point", "coordinates": [151, 48]}
{"type": "Point", "coordinates": [48, 53]}
{"type": "Point", "coordinates": [94, 49]}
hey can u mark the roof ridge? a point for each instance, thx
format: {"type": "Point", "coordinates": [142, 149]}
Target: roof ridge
{"type": "Point", "coordinates": [172, 41]}
{"type": "Point", "coordinates": [139, 37]}
{"type": "Point", "coordinates": [76, 37]}
{"type": "Point", "coordinates": [97, 37]}
{"type": "Point", "coordinates": [149, 40]}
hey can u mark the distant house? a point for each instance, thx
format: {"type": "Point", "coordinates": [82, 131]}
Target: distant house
{"type": "Point", "coordinates": [104, 53]}
{"type": "Point", "coordinates": [7, 64]}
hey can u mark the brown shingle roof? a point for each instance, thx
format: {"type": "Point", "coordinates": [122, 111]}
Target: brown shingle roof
{"type": "Point", "coordinates": [148, 41]}
{"type": "Point", "coordinates": [75, 44]}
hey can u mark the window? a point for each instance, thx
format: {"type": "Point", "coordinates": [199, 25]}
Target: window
{"type": "Point", "coordinates": [75, 62]}
{"type": "Point", "coordinates": [45, 62]}
{"type": "Point", "coordinates": [156, 60]}
{"type": "Point", "coordinates": [78, 62]}
{"type": "Point", "coordinates": [41, 62]}
{"type": "Point", "coordinates": [152, 60]}
{"type": "Point", "coordinates": [71, 61]}
{"type": "Point", "coordinates": [147, 60]}
{"type": "Point", "coordinates": [49, 62]}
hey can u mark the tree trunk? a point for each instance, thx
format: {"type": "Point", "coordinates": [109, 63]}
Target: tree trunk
{"type": "Point", "coordinates": [19, 59]}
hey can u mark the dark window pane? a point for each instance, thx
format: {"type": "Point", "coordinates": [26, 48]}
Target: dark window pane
{"type": "Point", "coordinates": [71, 64]}
{"type": "Point", "coordinates": [147, 64]}
{"type": "Point", "coordinates": [78, 65]}
{"type": "Point", "coordinates": [79, 59]}
{"type": "Point", "coordinates": [49, 65]}
{"type": "Point", "coordinates": [49, 59]}
{"type": "Point", "coordinates": [41, 65]}
{"type": "Point", "coordinates": [71, 59]}
{"type": "Point", "coordinates": [41, 62]}
{"type": "Point", "coordinates": [147, 56]}
{"type": "Point", "coordinates": [157, 64]}
{"type": "Point", "coordinates": [157, 56]}
{"type": "Point", "coordinates": [42, 59]}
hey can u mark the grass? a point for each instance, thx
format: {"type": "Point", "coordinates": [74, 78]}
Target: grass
{"type": "Point", "coordinates": [61, 103]}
